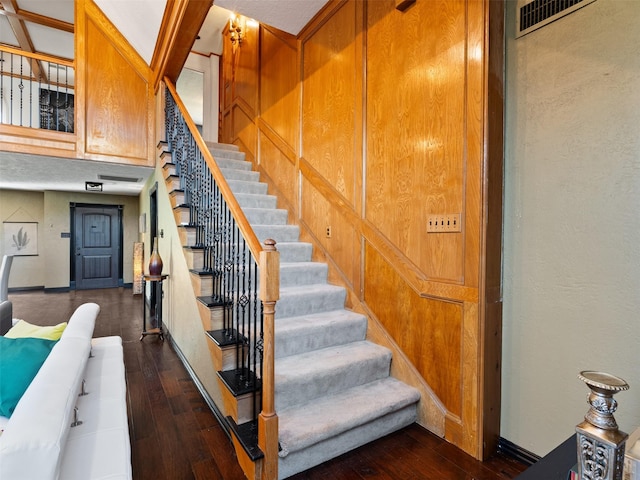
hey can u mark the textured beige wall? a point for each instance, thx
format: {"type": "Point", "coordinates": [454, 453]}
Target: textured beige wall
{"type": "Point", "coordinates": [51, 210]}
{"type": "Point", "coordinates": [22, 206]}
{"type": "Point", "coordinates": [572, 228]}
{"type": "Point", "coordinates": [180, 310]}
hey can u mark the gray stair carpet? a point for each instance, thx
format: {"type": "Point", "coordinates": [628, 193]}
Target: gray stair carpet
{"type": "Point", "coordinates": [333, 391]}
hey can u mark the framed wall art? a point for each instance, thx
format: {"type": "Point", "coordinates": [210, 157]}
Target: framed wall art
{"type": "Point", "coordinates": [20, 238]}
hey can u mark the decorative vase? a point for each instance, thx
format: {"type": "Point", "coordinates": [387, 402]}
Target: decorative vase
{"type": "Point", "coordinates": [155, 261]}
{"type": "Point", "coordinates": [600, 444]}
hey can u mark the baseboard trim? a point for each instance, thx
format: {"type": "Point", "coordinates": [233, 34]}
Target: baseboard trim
{"type": "Point", "coordinates": [516, 452]}
{"type": "Point", "coordinates": [25, 289]}
{"type": "Point", "coordinates": [207, 398]}
{"type": "Point", "coordinates": [57, 290]}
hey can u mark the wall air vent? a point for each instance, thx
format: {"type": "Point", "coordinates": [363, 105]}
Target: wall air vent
{"type": "Point", "coordinates": [113, 178]}
{"type": "Point", "coordinates": [533, 14]}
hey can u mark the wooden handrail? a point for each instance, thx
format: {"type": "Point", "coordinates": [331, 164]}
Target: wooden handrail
{"type": "Point", "coordinates": [241, 220]}
{"type": "Point", "coordinates": [38, 56]}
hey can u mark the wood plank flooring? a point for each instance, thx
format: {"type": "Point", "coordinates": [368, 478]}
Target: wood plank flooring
{"type": "Point", "coordinates": [174, 435]}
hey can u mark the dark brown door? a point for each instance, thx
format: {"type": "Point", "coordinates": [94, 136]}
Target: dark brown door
{"type": "Point", "coordinates": [97, 247]}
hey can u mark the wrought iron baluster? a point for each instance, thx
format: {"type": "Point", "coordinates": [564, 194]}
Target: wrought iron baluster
{"type": "Point", "coordinates": [226, 253]}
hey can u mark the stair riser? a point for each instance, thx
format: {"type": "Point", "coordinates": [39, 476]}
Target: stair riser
{"type": "Point", "coordinates": [187, 236]}
{"type": "Point", "coordinates": [240, 408]}
{"type": "Point", "coordinates": [224, 358]}
{"type": "Point", "coordinates": [178, 197]}
{"type": "Point", "coordinates": [345, 442]}
{"type": "Point", "coordinates": [202, 285]}
{"type": "Point", "coordinates": [173, 183]}
{"type": "Point", "coordinates": [211, 318]}
{"type": "Point", "coordinates": [165, 157]}
{"type": "Point", "coordinates": [195, 258]}
{"type": "Point", "coordinates": [168, 170]}
{"type": "Point", "coordinates": [182, 215]}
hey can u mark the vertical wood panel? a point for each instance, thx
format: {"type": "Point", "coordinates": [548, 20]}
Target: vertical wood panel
{"type": "Point", "coordinates": [279, 87]}
{"type": "Point", "coordinates": [331, 97]}
{"type": "Point", "coordinates": [246, 70]}
{"type": "Point", "coordinates": [245, 130]}
{"type": "Point", "coordinates": [117, 103]}
{"type": "Point", "coordinates": [415, 128]}
{"type": "Point", "coordinates": [342, 246]}
{"type": "Point", "coordinates": [282, 173]}
{"type": "Point", "coordinates": [428, 331]}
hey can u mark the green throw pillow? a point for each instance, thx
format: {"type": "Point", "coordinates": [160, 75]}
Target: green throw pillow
{"type": "Point", "coordinates": [25, 329]}
{"type": "Point", "coordinates": [20, 360]}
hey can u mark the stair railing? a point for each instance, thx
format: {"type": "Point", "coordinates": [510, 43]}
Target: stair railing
{"type": "Point", "coordinates": [245, 273]}
{"type": "Point", "coordinates": [36, 91]}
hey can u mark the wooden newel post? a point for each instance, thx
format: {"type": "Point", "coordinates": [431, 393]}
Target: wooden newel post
{"type": "Point", "coordinates": [268, 420]}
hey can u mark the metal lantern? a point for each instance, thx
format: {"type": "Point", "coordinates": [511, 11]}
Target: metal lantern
{"type": "Point", "coordinates": [600, 443]}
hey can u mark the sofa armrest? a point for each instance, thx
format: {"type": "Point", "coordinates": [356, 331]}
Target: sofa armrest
{"type": "Point", "coordinates": [6, 316]}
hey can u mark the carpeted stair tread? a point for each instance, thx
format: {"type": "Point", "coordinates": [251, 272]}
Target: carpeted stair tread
{"type": "Point", "coordinates": [306, 333]}
{"type": "Point", "coordinates": [256, 200]}
{"type": "Point", "coordinates": [302, 273]}
{"type": "Point", "coordinates": [244, 175]}
{"type": "Point", "coordinates": [304, 425]}
{"type": "Point", "coordinates": [223, 153]}
{"type": "Point", "coordinates": [265, 216]}
{"type": "Point", "coordinates": [302, 300]}
{"type": "Point", "coordinates": [309, 375]}
{"type": "Point", "coordinates": [280, 233]}
{"type": "Point", "coordinates": [222, 146]}
{"type": "Point", "coordinates": [243, 186]}
{"type": "Point", "coordinates": [233, 164]}
{"type": "Point", "coordinates": [294, 251]}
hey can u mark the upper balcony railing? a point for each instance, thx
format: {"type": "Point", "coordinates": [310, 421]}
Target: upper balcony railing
{"type": "Point", "coordinates": [36, 91]}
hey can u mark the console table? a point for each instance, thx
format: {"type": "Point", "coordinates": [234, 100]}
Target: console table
{"type": "Point", "coordinates": [555, 465]}
{"type": "Point", "coordinates": [155, 306]}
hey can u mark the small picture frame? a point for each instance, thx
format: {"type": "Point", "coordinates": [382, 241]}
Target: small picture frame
{"type": "Point", "coordinates": [21, 238]}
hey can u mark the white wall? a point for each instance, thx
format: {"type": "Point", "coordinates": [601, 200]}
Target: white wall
{"type": "Point", "coordinates": [572, 220]}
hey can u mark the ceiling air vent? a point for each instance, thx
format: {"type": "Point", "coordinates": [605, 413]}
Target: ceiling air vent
{"type": "Point", "coordinates": [113, 178]}
{"type": "Point", "coordinates": [532, 15]}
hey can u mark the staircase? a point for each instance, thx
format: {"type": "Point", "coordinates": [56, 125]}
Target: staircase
{"type": "Point", "coordinates": [333, 391]}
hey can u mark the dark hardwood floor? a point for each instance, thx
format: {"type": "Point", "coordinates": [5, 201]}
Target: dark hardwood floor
{"type": "Point", "coordinates": [174, 435]}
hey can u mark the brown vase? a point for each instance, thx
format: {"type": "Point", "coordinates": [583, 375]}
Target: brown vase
{"type": "Point", "coordinates": [155, 261]}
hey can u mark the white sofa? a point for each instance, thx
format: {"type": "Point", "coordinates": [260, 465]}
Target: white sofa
{"type": "Point", "coordinates": [39, 441]}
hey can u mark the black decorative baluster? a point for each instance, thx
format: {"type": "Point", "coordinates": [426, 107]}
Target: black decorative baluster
{"type": "Point", "coordinates": [227, 258]}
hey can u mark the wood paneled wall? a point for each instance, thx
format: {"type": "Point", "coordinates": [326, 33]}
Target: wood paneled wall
{"type": "Point", "coordinates": [114, 100]}
{"type": "Point", "coordinates": [367, 123]}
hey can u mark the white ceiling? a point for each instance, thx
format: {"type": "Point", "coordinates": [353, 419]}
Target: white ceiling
{"type": "Point", "coordinates": [139, 21]}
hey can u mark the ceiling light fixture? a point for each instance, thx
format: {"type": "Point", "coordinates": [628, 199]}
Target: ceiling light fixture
{"type": "Point", "coordinates": [93, 186]}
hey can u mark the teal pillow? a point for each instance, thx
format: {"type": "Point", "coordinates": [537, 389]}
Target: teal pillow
{"type": "Point", "coordinates": [20, 360]}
